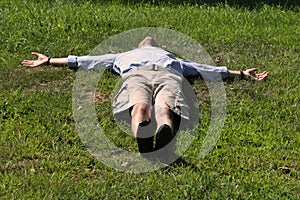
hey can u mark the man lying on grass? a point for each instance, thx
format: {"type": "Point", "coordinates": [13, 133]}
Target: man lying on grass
{"type": "Point", "coordinates": [152, 79]}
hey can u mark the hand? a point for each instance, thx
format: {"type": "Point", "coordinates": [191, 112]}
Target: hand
{"type": "Point", "coordinates": [253, 75]}
{"type": "Point", "coordinates": [41, 60]}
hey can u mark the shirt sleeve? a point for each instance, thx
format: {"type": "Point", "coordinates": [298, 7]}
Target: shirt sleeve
{"type": "Point", "coordinates": [92, 62]}
{"type": "Point", "coordinates": [206, 72]}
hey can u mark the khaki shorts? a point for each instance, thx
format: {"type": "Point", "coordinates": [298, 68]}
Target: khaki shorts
{"type": "Point", "coordinates": [154, 85]}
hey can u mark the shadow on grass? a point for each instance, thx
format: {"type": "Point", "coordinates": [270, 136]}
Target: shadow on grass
{"type": "Point", "coordinates": [181, 163]}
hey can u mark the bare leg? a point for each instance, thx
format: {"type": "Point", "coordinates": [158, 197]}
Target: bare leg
{"type": "Point", "coordinates": [164, 116]}
{"type": "Point", "coordinates": [139, 114]}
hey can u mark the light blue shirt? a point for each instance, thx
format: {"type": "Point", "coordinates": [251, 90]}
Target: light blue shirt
{"type": "Point", "coordinates": [124, 62]}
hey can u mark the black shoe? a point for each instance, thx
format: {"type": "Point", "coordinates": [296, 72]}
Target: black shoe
{"type": "Point", "coordinates": [145, 145]}
{"type": "Point", "coordinates": [165, 145]}
{"type": "Point", "coordinates": [164, 136]}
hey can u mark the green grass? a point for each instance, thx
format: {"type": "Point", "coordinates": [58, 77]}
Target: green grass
{"type": "Point", "coordinates": [42, 157]}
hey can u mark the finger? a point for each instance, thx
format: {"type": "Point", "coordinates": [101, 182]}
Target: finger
{"type": "Point", "coordinates": [265, 73]}
{"type": "Point", "coordinates": [261, 76]}
{"type": "Point", "coordinates": [252, 72]}
{"type": "Point", "coordinates": [253, 69]}
{"type": "Point", "coordinates": [35, 54]}
{"type": "Point", "coordinates": [28, 63]}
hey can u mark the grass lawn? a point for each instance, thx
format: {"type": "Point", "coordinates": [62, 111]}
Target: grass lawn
{"type": "Point", "coordinates": [256, 157]}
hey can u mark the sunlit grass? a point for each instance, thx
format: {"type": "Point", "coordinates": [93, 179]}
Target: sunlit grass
{"type": "Point", "coordinates": [42, 157]}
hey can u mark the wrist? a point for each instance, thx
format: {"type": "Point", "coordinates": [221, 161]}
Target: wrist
{"type": "Point", "coordinates": [242, 75]}
{"type": "Point", "coordinates": [48, 61]}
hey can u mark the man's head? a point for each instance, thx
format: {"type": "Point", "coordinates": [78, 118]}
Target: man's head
{"type": "Point", "coordinates": [148, 42]}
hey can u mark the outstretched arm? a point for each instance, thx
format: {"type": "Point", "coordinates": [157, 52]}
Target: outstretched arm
{"type": "Point", "coordinates": [74, 62]}
{"type": "Point", "coordinates": [209, 72]}
{"type": "Point", "coordinates": [44, 60]}
{"type": "Point", "coordinates": [251, 73]}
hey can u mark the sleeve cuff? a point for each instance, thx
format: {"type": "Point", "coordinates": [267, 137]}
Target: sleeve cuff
{"type": "Point", "coordinates": [72, 62]}
{"type": "Point", "coordinates": [224, 72]}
